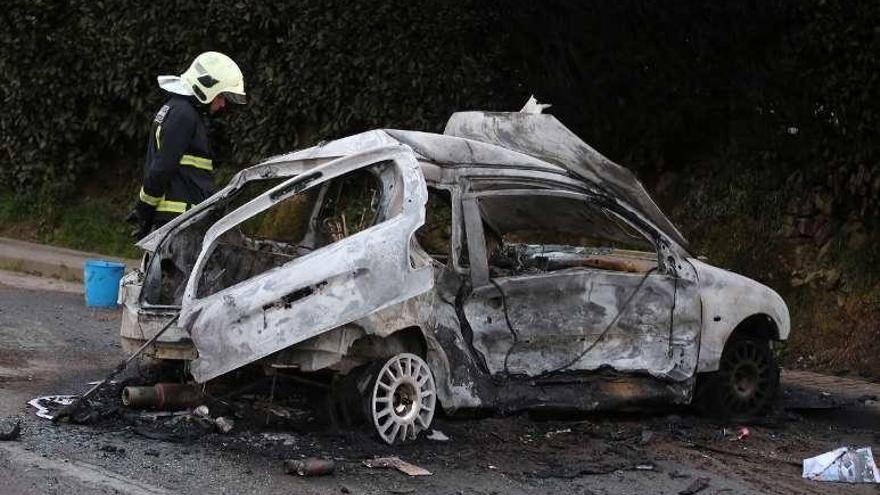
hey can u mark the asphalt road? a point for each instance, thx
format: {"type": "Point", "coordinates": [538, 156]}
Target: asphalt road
{"type": "Point", "coordinates": [51, 344]}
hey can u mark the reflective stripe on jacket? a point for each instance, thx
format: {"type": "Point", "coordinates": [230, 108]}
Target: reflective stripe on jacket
{"type": "Point", "coordinates": [178, 167]}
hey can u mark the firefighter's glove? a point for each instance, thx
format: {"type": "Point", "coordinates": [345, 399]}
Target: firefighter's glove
{"type": "Point", "coordinates": [141, 218]}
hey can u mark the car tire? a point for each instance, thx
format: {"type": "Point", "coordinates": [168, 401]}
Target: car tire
{"type": "Point", "coordinates": [747, 381]}
{"type": "Point", "coordinates": [401, 397]}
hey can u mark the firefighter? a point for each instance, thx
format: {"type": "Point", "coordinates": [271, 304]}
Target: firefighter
{"type": "Point", "coordinates": [178, 170]}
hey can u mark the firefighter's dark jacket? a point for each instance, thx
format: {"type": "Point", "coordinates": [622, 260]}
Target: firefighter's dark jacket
{"type": "Point", "coordinates": [178, 170]}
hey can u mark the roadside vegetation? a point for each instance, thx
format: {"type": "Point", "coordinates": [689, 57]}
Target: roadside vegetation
{"type": "Point", "coordinates": [89, 224]}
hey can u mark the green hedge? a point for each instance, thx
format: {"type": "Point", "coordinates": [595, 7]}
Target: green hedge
{"type": "Point", "coordinates": [693, 89]}
{"type": "Point", "coordinates": [78, 77]}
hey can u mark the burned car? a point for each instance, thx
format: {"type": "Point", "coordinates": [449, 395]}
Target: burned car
{"type": "Point", "coordinates": [503, 264]}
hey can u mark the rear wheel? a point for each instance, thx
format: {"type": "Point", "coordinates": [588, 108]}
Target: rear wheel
{"type": "Point", "coordinates": [746, 383]}
{"type": "Point", "coordinates": [401, 398]}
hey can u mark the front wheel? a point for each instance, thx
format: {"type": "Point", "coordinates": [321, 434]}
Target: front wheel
{"type": "Point", "coordinates": [746, 383]}
{"type": "Point", "coordinates": [401, 398]}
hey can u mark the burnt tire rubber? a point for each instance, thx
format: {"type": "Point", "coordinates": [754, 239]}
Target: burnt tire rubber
{"type": "Point", "coordinates": [746, 384]}
{"type": "Point", "coordinates": [400, 398]}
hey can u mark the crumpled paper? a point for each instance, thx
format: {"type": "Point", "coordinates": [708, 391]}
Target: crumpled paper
{"type": "Point", "coordinates": [844, 465]}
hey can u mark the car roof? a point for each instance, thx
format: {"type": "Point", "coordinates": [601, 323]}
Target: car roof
{"type": "Point", "coordinates": [439, 149]}
{"type": "Point", "coordinates": [511, 143]}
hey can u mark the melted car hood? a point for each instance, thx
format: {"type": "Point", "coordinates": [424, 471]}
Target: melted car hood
{"type": "Point", "coordinates": [544, 137]}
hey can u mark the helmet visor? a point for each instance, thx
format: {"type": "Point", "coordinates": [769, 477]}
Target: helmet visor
{"type": "Point", "coordinates": [236, 98]}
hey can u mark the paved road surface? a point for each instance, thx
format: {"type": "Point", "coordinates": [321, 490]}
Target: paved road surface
{"type": "Point", "coordinates": [50, 343]}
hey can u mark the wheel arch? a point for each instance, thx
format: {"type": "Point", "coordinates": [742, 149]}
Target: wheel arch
{"type": "Point", "coordinates": [719, 392]}
{"type": "Point", "coordinates": [756, 325]}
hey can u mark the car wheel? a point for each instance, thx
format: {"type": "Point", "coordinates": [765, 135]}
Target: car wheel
{"type": "Point", "coordinates": [401, 398]}
{"type": "Point", "coordinates": [746, 383]}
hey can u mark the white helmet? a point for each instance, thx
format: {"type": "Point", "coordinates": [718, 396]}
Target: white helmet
{"type": "Point", "coordinates": [210, 74]}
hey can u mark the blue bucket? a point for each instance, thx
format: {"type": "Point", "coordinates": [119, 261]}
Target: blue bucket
{"type": "Point", "coordinates": [102, 283]}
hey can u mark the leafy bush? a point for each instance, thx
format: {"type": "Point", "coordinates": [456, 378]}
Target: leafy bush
{"type": "Point", "coordinates": [79, 77]}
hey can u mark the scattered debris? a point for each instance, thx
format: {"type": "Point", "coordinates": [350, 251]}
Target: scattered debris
{"type": "Point", "coordinates": [735, 434]}
{"type": "Point", "coordinates": [311, 466]}
{"type": "Point", "coordinates": [286, 439]}
{"type": "Point", "coordinates": [47, 405]}
{"type": "Point", "coordinates": [162, 396]}
{"type": "Point", "coordinates": [79, 408]}
{"type": "Point", "coordinates": [845, 464]}
{"type": "Point", "coordinates": [396, 463]}
{"type": "Point", "coordinates": [159, 415]}
{"type": "Point", "coordinates": [743, 454]}
{"type": "Point", "coordinates": [10, 430]}
{"type": "Point", "coordinates": [151, 452]}
{"type": "Point", "coordinates": [551, 434]}
{"type": "Point", "coordinates": [182, 426]}
{"type": "Point", "coordinates": [112, 449]}
{"type": "Point", "coordinates": [696, 486]}
{"type": "Point", "coordinates": [438, 436]}
{"type": "Point", "coordinates": [163, 436]}
{"type": "Point", "coordinates": [111, 382]}
{"type": "Point", "coordinates": [568, 471]}
{"type": "Point", "coordinates": [224, 425]}
{"type": "Point", "coordinates": [646, 437]}
{"type": "Point", "coordinates": [202, 411]}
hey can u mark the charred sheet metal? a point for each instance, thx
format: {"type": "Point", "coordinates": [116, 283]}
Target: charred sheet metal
{"type": "Point", "coordinates": [517, 342]}
{"type": "Point", "coordinates": [595, 392]}
{"type": "Point", "coordinates": [728, 299]}
{"type": "Point", "coordinates": [544, 137]}
{"type": "Point", "coordinates": [140, 324]}
{"type": "Point", "coordinates": [579, 320]}
{"type": "Point", "coordinates": [357, 276]}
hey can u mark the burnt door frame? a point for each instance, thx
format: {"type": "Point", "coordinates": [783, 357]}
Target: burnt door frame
{"type": "Point", "coordinates": [318, 291]}
{"type": "Point", "coordinates": [558, 313]}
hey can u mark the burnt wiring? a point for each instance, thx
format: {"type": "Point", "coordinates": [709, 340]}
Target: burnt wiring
{"type": "Point", "coordinates": [585, 351]}
{"type": "Point", "coordinates": [466, 331]}
{"type": "Point", "coordinates": [509, 325]}
{"type": "Point", "coordinates": [611, 217]}
{"type": "Point", "coordinates": [672, 313]}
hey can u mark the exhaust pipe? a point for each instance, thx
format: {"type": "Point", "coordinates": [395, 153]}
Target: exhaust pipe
{"type": "Point", "coordinates": [162, 396]}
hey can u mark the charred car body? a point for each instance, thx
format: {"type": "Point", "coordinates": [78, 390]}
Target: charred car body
{"type": "Point", "coordinates": [504, 264]}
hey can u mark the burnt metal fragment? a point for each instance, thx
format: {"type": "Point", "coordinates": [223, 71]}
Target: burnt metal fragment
{"type": "Point", "coordinates": [310, 466]}
{"type": "Point", "coordinates": [696, 486]}
{"type": "Point", "coordinates": [10, 431]}
{"type": "Point", "coordinates": [162, 396]}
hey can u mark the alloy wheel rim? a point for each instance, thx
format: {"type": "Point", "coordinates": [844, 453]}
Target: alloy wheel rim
{"type": "Point", "coordinates": [403, 399]}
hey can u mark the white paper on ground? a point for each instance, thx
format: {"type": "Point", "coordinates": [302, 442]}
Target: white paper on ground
{"type": "Point", "coordinates": [846, 464]}
{"type": "Point", "coordinates": [46, 405]}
